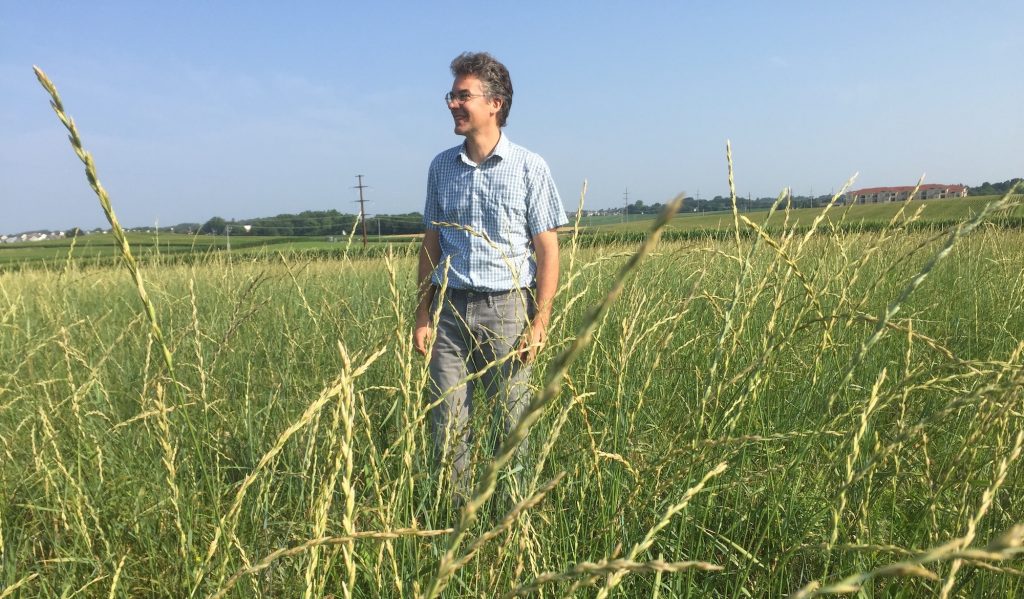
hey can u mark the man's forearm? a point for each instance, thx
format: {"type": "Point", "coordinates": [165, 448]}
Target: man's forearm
{"type": "Point", "coordinates": [546, 278]}
{"type": "Point", "coordinates": [430, 253]}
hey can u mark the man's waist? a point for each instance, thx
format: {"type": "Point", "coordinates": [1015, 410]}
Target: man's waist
{"type": "Point", "coordinates": [483, 278]}
{"type": "Point", "coordinates": [475, 292]}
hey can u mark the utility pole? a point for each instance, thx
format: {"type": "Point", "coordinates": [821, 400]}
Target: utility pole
{"type": "Point", "coordinates": [625, 211]}
{"type": "Point", "coordinates": [362, 206]}
{"type": "Point", "coordinates": [227, 229]}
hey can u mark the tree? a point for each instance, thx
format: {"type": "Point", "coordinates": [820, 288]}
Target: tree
{"type": "Point", "coordinates": [214, 226]}
{"type": "Point", "coordinates": [991, 189]}
{"type": "Point", "coordinates": [72, 232]}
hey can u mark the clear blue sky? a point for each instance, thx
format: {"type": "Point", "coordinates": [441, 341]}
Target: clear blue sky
{"type": "Point", "coordinates": [243, 109]}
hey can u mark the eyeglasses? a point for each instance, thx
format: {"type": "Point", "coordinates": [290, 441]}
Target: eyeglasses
{"type": "Point", "coordinates": [461, 97]}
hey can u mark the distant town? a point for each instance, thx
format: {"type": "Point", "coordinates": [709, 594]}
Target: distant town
{"type": "Point", "coordinates": [336, 224]}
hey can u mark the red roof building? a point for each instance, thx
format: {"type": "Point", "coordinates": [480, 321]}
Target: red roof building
{"type": "Point", "coordinates": [928, 191]}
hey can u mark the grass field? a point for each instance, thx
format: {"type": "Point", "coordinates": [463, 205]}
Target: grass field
{"type": "Point", "coordinates": [102, 249]}
{"type": "Point", "coordinates": [782, 408]}
{"type": "Point", "coordinates": [934, 211]}
{"type": "Point", "coordinates": [754, 416]}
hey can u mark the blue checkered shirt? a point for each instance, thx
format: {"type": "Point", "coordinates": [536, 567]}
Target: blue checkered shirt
{"type": "Point", "coordinates": [487, 215]}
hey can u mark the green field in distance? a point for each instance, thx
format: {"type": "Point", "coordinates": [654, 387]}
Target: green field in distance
{"type": "Point", "coordinates": [101, 247]}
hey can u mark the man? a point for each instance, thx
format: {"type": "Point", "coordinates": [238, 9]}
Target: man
{"type": "Point", "coordinates": [491, 205]}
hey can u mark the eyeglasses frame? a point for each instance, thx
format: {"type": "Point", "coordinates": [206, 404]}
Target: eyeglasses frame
{"type": "Point", "coordinates": [461, 98]}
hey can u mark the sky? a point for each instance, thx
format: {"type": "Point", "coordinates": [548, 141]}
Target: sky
{"type": "Point", "coordinates": [246, 109]}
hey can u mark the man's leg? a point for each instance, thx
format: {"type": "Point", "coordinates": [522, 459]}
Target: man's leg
{"type": "Point", "coordinates": [450, 398]}
{"type": "Point", "coordinates": [507, 384]}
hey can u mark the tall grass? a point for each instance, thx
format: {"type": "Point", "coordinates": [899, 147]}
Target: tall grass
{"type": "Point", "coordinates": [750, 417]}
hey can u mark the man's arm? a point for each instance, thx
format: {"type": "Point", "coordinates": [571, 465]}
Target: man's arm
{"type": "Point", "coordinates": [545, 244]}
{"type": "Point", "coordinates": [430, 254]}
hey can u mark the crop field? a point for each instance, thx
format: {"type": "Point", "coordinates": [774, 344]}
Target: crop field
{"type": "Point", "coordinates": [943, 212]}
{"type": "Point", "coordinates": [100, 249]}
{"type": "Point", "coordinates": [783, 411]}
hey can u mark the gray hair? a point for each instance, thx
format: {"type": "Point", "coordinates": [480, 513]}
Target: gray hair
{"type": "Point", "coordinates": [491, 73]}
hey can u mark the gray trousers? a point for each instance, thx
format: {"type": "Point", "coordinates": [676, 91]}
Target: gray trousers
{"type": "Point", "coordinates": [476, 333]}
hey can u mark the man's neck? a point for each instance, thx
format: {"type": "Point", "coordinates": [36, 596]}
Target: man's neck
{"type": "Point", "coordinates": [480, 146]}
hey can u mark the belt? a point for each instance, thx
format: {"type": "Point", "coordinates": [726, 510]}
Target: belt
{"type": "Point", "coordinates": [457, 292]}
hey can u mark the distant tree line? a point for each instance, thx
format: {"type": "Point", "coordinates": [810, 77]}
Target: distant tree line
{"type": "Point", "coordinates": [315, 223]}
{"type": "Point", "coordinates": [992, 189]}
{"type": "Point", "coordinates": [744, 204]}
{"type": "Point", "coordinates": [331, 223]}
{"type": "Point", "coordinates": [719, 203]}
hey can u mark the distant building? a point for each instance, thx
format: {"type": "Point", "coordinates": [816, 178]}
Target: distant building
{"type": "Point", "coordinates": [929, 191]}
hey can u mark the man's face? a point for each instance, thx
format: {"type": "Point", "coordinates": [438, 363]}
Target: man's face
{"type": "Point", "coordinates": [477, 113]}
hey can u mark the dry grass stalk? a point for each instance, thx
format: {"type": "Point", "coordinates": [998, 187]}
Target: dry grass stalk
{"type": "Point", "coordinates": [1009, 541]}
{"type": "Point", "coordinates": [108, 210]}
{"type": "Point", "coordinates": [9, 591]}
{"type": "Point", "coordinates": [556, 431]}
{"type": "Point", "coordinates": [975, 396]}
{"type": "Point", "coordinates": [348, 398]}
{"type": "Point", "coordinates": [119, 235]}
{"type": "Point", "coordinates": [165, 410]}
{"type": "Point", "coordinates": [1006, 546]}
{"type": "Point", "coordinates": [894, 306]}
{"type": "Point", "coordinates": [851, 458]}
{"type": "Point", "coordinates": [520, 508]}
{"type": "Point", "coordinates": [168, 460]}
{"type": "Point", "coordinates": [303, 547]}
{"type": "Point", "coordinates": [575, 239]}
{"type": "Point", "coordinates": [229, 520]}
{"type": "Point", "coordinates": [117, 577]}
{"type": "Point", "coordinates": [351, 236]}
{"type": "Point", "coordinates": [616, 567]}
{"type": "Point", "coordinates": [324, 500]}
{"type": "Point", "coordinates": [615, 577]}
{"type": "Point", "coordinates": [197, 340]}
{"type": "Point", "coordinates": [87, 530]}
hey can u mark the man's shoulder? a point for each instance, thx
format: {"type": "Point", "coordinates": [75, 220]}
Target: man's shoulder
{"type": "Point", "coordinates": [446, 156]}
{"type": "Point", "coordinates": [518, 153]}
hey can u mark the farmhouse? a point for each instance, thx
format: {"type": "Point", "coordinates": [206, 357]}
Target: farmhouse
{"type": "Point", "coordinates": [930, 191]}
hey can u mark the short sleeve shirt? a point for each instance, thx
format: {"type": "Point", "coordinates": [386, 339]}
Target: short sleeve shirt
{"type": "Point", "coordinates": [487, 214]}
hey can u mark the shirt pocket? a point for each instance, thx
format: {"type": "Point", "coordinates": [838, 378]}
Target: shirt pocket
{"type": "Point", "coordinates": [506, 204]}
{"type": "Point", "coordinates": [457, 200]}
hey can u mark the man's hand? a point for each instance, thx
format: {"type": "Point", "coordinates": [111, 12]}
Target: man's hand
{"type": "Point", "coordinates": [533, 340]}
{"type": "Point", "coordinates": [430, 253]}
{"type": "Point", "coordinates": [536, 335]}
{"type": "Point", "coordinates": [421, 334]}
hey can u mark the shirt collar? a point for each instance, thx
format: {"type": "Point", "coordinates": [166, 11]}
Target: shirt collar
{"type": "Point", "coordinates": [501, 150]}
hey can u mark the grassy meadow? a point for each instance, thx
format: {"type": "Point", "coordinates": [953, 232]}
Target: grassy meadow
{"type": "Point", "coordinates": [787, 408]}
{"type": "Point", "coordinates": [802, 412]}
